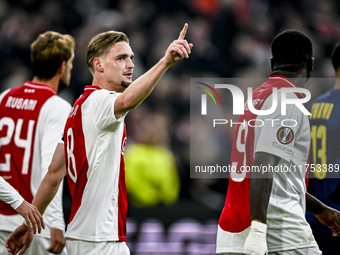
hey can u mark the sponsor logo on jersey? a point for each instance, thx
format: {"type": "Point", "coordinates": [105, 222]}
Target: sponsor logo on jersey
{"type": "Point", "coordinates": [285, 135]}
{"type": "Point", "coordinates": [282, 148]}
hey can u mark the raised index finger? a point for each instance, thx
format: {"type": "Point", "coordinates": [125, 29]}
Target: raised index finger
{"type": "Point", "coordinates": [183, 32]}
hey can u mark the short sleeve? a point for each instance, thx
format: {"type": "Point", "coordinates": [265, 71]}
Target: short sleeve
{"type": "Point", "coordinates": [102, 109]}
{"type": "Point", "coordinates": [277, 134]}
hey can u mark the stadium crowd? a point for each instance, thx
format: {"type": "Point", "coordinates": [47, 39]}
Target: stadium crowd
{"type": "Point", "coordinates": [231, 39]}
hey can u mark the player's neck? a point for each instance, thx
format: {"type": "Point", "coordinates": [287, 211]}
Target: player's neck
{"type": "Point", "coordinates": [289, 74]}
{"type": "Point", "coordinates": [299, 78]}
{"type": "Point", "coordinates": [53, 83]}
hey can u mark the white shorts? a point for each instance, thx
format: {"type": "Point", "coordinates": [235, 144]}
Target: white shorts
{"type": "Point", "coordinates": [78, 247]}
{"type": "Point", "coordinates": [304, 251]}
{"type": "Point", "coordinates": [38, 246]}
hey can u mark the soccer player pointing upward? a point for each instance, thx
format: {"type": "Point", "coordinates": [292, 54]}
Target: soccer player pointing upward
{"type": "Point", "coordinates": [94, 142]}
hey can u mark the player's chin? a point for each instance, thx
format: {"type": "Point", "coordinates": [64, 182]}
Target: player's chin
{"type": "Point", "coordinates": [126, 84]}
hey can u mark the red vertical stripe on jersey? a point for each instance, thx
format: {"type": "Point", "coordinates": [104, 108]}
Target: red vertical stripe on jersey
{"type": "Point", "coordinates": [235, 216]}
{"type": "Point", "coordinates": [22, 103]}
{"type": "Point", "coordinates": [74, 122]}
{"type": "Point", "coordinates": [122, 196]}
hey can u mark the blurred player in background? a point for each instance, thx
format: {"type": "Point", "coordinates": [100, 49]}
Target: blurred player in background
{"type": "Point", "coordinates": [266, 213]}
{"type": "Point", "coordinates": [149, 164]}
{"type": "Point", "coordinates": [95, 140]}
{"type": "Point", "coordinates": [30, 213]}
{"type": "Point", "coordinates": [325, 154]}
{"type": "Point", "coordinates": [32, 118]}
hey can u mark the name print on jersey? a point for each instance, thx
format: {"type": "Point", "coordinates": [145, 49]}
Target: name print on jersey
{"type": "Point", "coordinates": [73, 112]}
{"type": "Point", "coordinates": [21, 103]}
{"type": "Point", "coordinates": [321, 111]}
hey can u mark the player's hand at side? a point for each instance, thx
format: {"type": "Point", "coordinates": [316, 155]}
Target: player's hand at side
{"type": "Point", "coordinates": [57, 241]}
{"type": "Point", "coordinates": [32, 216]}
{"type": "Point", "coordinates": [179, 48]}
{"type": "Point", "coordinates": [330, 218]}
{"type": "Point", "coordinates": [256, 243]}
{"type": "Point", "coordinates": [19, 240]}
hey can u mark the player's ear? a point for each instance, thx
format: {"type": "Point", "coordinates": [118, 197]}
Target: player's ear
{"type": "Point", "coordinates": [272, 63]}
{"type": "Point", "coordinates": [309, 68]}
{"type": "Point", "coordinates": [97, 64]}
{"type": "Point", "coordinates": [62, 68]}
{"type": "Point", "coordinates": [310, 65]}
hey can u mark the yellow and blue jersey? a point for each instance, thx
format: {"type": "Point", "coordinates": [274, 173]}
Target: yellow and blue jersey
{"type": "Point", "coordinates": [324, 181]}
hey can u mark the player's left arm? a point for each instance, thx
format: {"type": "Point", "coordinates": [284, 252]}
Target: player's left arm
{"type": "Point", "coordinates": [52, 130]}
{"type": "Point", "coordinates": [48, 190]}
{"type": "Point", "coordinates": [261, 185]}
{"type": "Point", "coordinates": [260, 190]}
{"type": "Point", "coordinates": [325, 214]}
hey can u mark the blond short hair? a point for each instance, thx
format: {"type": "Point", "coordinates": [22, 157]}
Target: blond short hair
{"type": "Point", "coordinates": [101, 43]}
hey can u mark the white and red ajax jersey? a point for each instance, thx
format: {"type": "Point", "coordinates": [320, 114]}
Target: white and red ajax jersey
{"type": "Point", "coordinates": [286, 136]}
{"type": "Point", "coordinates": [32, 117]}
{"type": "Point", "coordinates": [94, 142]}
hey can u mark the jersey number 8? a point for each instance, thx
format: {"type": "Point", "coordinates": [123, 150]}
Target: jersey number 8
{"type": "Point", "coordinates": [71, 161]}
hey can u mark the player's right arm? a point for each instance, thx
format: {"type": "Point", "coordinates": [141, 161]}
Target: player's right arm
{"type": "Point", "coordinates": [20, 239]}
{"type": "Point", "coordinates": [142, 87]}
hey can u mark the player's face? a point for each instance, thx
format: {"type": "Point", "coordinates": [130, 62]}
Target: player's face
{"type": "Point", "coordinates": [65, 79]}
{"type": "Point", "coordinates": [118, 66]}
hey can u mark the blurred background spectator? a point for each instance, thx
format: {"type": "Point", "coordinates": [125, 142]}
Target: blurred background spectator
{"type": "Point", "coordinates": [231, 39]}
{"type": "Point", "coordinates": [150, 168]}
